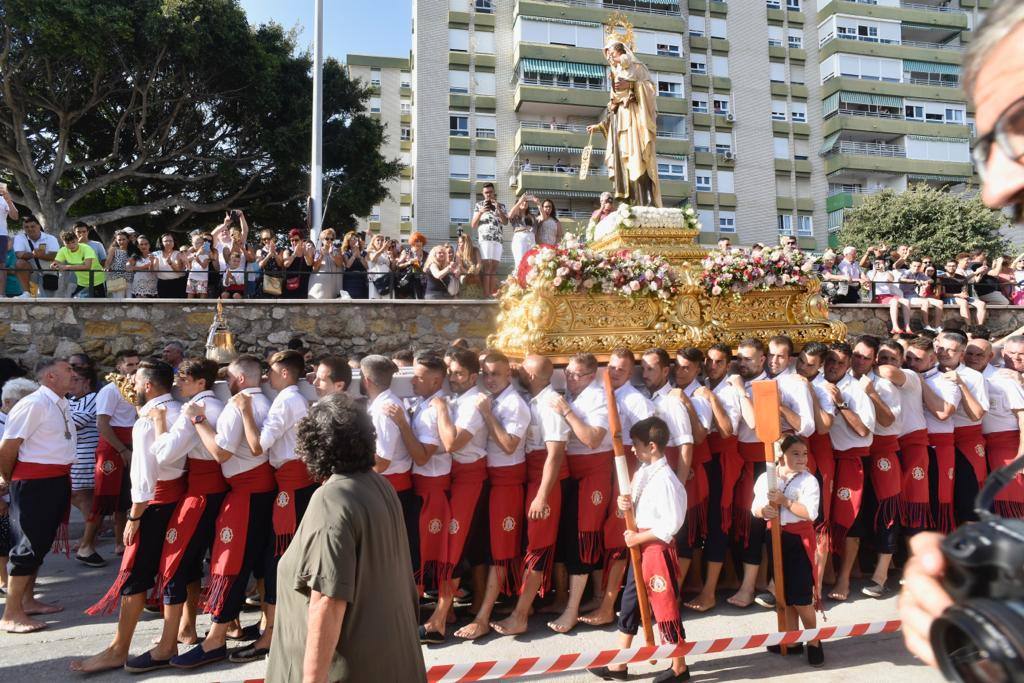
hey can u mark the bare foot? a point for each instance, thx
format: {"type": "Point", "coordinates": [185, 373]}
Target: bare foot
{"type": "Point", "coordinates": [510, 626]}
{"type": "Point", "coordinates": [564, 623]}
{"type": "Point", "coordinates": [592, 605]}
{"type": "Point", "coordinates": [22, 625]}
{"type": "Point", "coordinates": [188, 638]}
{"type": "Point", "coordinates": [598, 617]}
{"type": "Point", "coordinates": [433, 625]}
{"type": "Point", "coordinates": [840, 592]}
{"type": "Point", "coordinates": [554, 608]}
{"type": "Point", "coordinates": [33, 607]}
{"type": "Point", "coordinates": [701, 603]}
{"type": "Point", "coordinates": [473, 630]}
{"type": "Point", "coordinates": [741, 599]}
{"type": "Point", "coordinates": [104, 661]}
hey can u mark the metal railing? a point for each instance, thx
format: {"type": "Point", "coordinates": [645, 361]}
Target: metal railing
{"type": "Point", "coordinates": [873, 114]}
{"type": "Point", "coordinates": [830, 36]}
{"type": "Point", "coordinates": [935, 82]}
{"type": "Point", "coordinates": [553, 83]}
{"type": "Point", "coordinates": [872, 149]}
{"type": "Point", "coordinates": [833, 190]}
{"type": "Point", "coordinates": [934, 46]}
{"type": "Point", "coordinates": [561, 170]}
{"type": "Point", "coordinates": [582, 128]}
{"type": "Point", "coordinates": [931, 8]}
{"type": "Point", "coordinates": [629, 6]}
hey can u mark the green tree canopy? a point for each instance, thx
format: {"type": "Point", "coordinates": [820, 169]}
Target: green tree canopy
{"type": "Point", "coordinates": [165, 113]}
{"type": "Point", "coordinates": [934, 222]}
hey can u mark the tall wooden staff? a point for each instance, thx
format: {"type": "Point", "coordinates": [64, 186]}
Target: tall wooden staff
{"type": "Point", "coordinates": [766, 416]}
{"type": "Point", "coordinates": [622, 475]}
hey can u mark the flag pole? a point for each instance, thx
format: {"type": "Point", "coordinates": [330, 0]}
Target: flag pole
{"type": "Point", "coordinates": [316, 185]}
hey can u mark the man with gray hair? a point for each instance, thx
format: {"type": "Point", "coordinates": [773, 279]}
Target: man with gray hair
{"type": "Point", "coordinates": [849, 268]}
{"type": "Point", "coordinates": [14, 390]}
{"type": "Point", "coordinates": [994, 80]}
{"type": "Point", "coordinates": [173, 353]}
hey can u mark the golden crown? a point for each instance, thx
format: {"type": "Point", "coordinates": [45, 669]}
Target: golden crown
{"type": "Point", "coordinates": [618, 29]}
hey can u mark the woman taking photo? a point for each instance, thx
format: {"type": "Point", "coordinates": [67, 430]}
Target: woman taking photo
{"type": "Point", "coordinates": [170, 269]}
{"type": "Point", "coordinates": [353, 278]}
{"type": "Point", "coordinates": [325, 282]}
{"type": "Point", "coordinates": [438, 272]}
{"type": "Point", "coordinates": [142, 265]}
{"type": "Point", "coordinates": [380, 280]}
{"type": "Point", "coordinates": [549, 228]}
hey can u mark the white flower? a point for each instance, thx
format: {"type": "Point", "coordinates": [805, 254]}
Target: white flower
{"type": "Point", "coordinates": [557, 282]}
{"type": "Point", "coordinates": [634, 285]}
{"type": "Point", "coordinates": [716, 290]}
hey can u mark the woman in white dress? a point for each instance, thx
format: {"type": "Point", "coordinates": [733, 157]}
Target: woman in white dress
{"type": "Point", "coordinates": [379, 259]}
{"type": "Point", "coordinates": [325, 282]}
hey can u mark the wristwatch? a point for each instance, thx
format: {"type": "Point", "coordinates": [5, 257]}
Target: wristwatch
{"type": "Point", "coordinates": [133, 519]}
{"type": "Point", "coordinates": [198, 419]}
{"type": "Point", "coordinates": [843, 406]}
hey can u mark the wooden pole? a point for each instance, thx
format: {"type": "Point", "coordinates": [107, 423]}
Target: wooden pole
{"type": "Point", "coordinates": [622, 476]}
{"type": "Point", "coordinates": [765, 395]}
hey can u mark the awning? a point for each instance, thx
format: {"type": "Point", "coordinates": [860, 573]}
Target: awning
{"type": "Point", "coordinates": [550, 149]}
{"type": "Point", "coordinates": [830, 104]}
{"type": "Point", "coordinates": [855, 98]}
{"type": "Point", "coordinates": [887, 101]}
{"type": "Point", "coordinates": [933, 138]}
{"type": "Point", "coordinates": [870, 100]}
{"type": "Point", "coordinates": [931, 67]}
{"type": "Point", "coordinates": [549, 67]}
{"type": "Point", "coordinates": [578, 194]}
{"type": "Point", "coordinates": [552, 20]}
{"type": "Point", "coordinates": [830, 142]}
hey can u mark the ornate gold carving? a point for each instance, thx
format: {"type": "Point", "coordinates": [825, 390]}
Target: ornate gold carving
{"type": "Point", "coordinates": [618, 29]}
{"type": "Point", "coordinates": [125, 385]}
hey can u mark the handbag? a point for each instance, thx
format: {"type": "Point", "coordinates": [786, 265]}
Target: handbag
{"type": "Point", "coordinates": [292, 283]}
{"type": "Point", "coordinates": [51, 281]}
{"type": "Point", "coordinates": [382, 283]}
{"type": "Point", "coordinates": [271, 285]}
{"type": "Point", "coordinates": [453, 285]}
{"type": "Point", "coordinates": [117, 285]}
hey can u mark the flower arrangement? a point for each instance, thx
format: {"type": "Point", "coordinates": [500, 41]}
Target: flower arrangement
{"type": "Point", "coordinates": [651, 216]}
{"type": "Point", "coordinates": [737, 271]}
{"type": "Point", "coordinates": [573, 269]}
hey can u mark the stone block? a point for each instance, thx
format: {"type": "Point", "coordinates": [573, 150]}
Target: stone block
{"type": "Point", "coordinates": [200, 320]}
{"type": "Point", "coordinates": [137, 328]}
{"type": "Point", "coordinates": [65, 348]}
{"type": "Point", "coordinates": [67, 331]}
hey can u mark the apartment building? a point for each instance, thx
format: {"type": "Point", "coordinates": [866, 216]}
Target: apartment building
{"type": "Point", "coordinates": [390, 82]}
{"type": "Point", "coordinates": [774, 116]}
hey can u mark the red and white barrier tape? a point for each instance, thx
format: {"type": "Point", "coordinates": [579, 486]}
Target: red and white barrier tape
{"type": "Point", "coordinates": [535, 666]}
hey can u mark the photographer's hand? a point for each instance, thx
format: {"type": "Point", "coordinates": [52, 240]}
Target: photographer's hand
{"type": "Point", "coordinates": [923, 598]}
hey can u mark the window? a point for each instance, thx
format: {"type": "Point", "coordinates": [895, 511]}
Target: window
{"type": "Point", "coordinates": [706, 217]}
{"type": "Point", "coordinates": [375, 213]}
{"type": "Point", "coordinates": [701, 141]}
{"type": "Point", "coordinates": [459, 209]}
{"type": "Point", "coordinates": [406, 214]}
{"type": "Point", "coordinates": [783, 185]}
{"type": "Point", "coordinates": [374, 105]}
{"type": "Point", "coordinates": [785, 224]}
{"type": "Point", "coordinates": [798, 112]}
{"type": "Point", "coordinates": [800, 149]}
{"type": "Point", "coordinates": [718, 28]}
{"type": "Point", "coordinates": [458, 166]}
{"type": "Point", "coordinates": [721, 103]}
{"type": "Point", "coordinates": [723, 143]}
{"type": "Point", "coordinates": [775, 36]}
{"type": "Point", "coordinates": [458, 124]}
{"type": "Point", "coordinates": [698, 64]}
{"type": "Point", "coordinates": [667, 50]}
{"type": "Point", "coordinates": [458, 40]}
{"type": "Point", "coordinates": [868, 68]}
{"type": "Point", "coordinates": [406, 106]}
{"type": "Point", "coordinates": [671, 126]}
{"type": "Point", "coordinates": [484, 83]}
{"type": "Point", "coordinates": [406, 79]}
{"type": "Point", "coordinates": [727, 221]}
{"type": "Point", "coordinates": [796, 73]}
{"type": "Point", "coordinates": [796, 38]}
{"type": "Point", "coordinates": [793, 5]}
{"type": "Point", "coordinates": [375, 77]}
{"type": "Point", "coordinates": [405, 158]}
{"type": "Point", "coordinates": [406, 133]}
{"type": "Point", "coordinates": [805, 226]}
{"type": "Point", "coordinates": [773, 4]}
{"type": "Point", "coordinates": [670, 89]}
{"type": "Point", "coordinates": [777, 72]}
{"type": "Point", "coordinates": [484, 42]}
{"type": "Point", "coordinates": [780, 146]}
{"type": "Point", "coordinates": [803, 187]}
{"type": "Point", "coordinates": [671, 169]}
{"type": "Point", "coordinates": [406, 186]}
{"type": "Point", "coordinates": [699, 103]}
{"type": "Point", "coordinates": [698, 26]}
{"type": "Point", "coordinates": [955, 116]}
{"type": "Point", "coordinates": [458, 81]}
{"type": "Point", "coordinates": [658, 43]}
{"type": "Point", "coordinates": [458, 5]}
{"type": "Point", "coordinates": [703, 181]}
{"type": "Point", "coordinates": [779, 110]}
{"type": "Point", "coordinates": [485, 126]}
{"type": "Point", "coordinates": [485, 168]}
{"type": "Point", "coordinates": [726, 181]}
{"type": "Point", "coordinates": [720, 66]}
{"type": "Point", "coordinates": [484, 6]}
{"type": "Point", "coordinates": [913, 111]}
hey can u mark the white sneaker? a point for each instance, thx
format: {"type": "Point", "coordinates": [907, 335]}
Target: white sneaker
{"type": "Point", "coordinates": [23, 295]}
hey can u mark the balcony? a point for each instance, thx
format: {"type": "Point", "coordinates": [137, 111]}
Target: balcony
{"type": "Point", "coordinates": [932, 82]}
{"type": "Point", "coordinates": [663, 8]}
{"type": "Point", "coordinates": [924, 7]}
{"type": "Point", "coordinates": [829, 37]}
{"type": "Point", "coordinates": [871, 149]}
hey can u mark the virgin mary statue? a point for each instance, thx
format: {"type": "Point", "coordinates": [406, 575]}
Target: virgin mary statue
{"type": "Point", "coordinates": [630, 128]}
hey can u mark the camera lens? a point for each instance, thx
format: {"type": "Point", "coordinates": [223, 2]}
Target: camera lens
{"type": "Point", "coordinates": [981, 641]}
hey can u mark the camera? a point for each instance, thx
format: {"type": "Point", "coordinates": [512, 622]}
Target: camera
{"type": "Point", "coordinates": [460, 232]}
{"type": "Point", "coordinates": [980, 637]}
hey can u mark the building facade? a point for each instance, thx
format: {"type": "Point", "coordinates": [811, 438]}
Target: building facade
{"type": "Point", "coordinates": [390, 82]}
{"type": "Point", "coordinates": [774, 116]}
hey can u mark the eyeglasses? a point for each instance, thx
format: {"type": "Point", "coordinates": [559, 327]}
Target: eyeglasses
{"type": "Point", "coordinates": [1008, 134]}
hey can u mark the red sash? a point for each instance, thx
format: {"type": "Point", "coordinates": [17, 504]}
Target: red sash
{"type": "Point", "coordinates": [401, 481]}
{"type": "Point", "coordinates": [467, 485]}
{"type": "Point", "coordinates": [971, 443]}
{"type": "Point", "coordinates": [1001, 448]}
{"type": "Point", "coordinates": [594, 474]}
{"type": "Point", "coordinates": [732, 465]}
{"type": "Point", "coordinates": [435, 517]}
{"type": "Point", "coordinates": [945, 459]}
{"type": "Point", "coordinates": [805, 530]}
{"type": "Point", "coordinates": [916, 498]}
{"type": "Point", "coordinates": [109, 469]}
{"type": "Point", "coordinates": [660, 569]}
{"type": "Point", "coordinates": [291, 476]}
{"type": "Point", "coordinates": [847, 497]}
{"type": "Point", "coordinates": [819, 446]}
{"type": "Point", "coordinates": [205, 478]}
{"type": "Point", "coordinates": [166, 492]}
{"type": "Point", "coordinates": [506, 522]}
{"type": "Point", "coordinates": [886, 479]}
{"type": "Point", "coordinates": [541, 534]}
{"type": "Point", "coordinates": [25, 471]}
{"type": "Point", "coordinates": [232, 531]}
{"type": "Point", "coordinates": [697, 494]}
{"type": "Point", "coordinates": [743, 495]}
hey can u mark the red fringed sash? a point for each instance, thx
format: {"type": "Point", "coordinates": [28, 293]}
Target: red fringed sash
{"type": "Point", "coordinates": [697, 494]}
{"type": "Point", "coordinates": [805, 530]}
{"type": "Point", "coordinates": [291, 476]}
{"type": "Point", "coordinates": [594, 474]}
{"type": "Point", "coordinates": [467, 485]}
{"type": "Point", "coordinates": [232, 531]}
{"type": "Point", "coordinates": [916, 497]}
{"type": "Point", "coordinates": [1001, 448]}
{"type": "Point", "coordinates": [886, 479]}
{"type": "Point", "coordinates": [660, 572]}
{"type": "Point", "coordinates": [847, 497]}
{"type": "Point", "coordinates": [971, 442]}
{"type": "Point", "coordinates": [732, 464]}
{"type": "Point", "coordinates": [743, 496]}
{"type": "Point", "coordinates": [107, 475]}
{"type": "Point", "coordinates": [506, 522]}
{"type": "Point", "coordinates": [401, 481]}
{"type": "Point", "coordinates": [541, 534]}
{"type": "Point", "coordinates": [24, 471]}
{"type": "Point", "coordinates": [166, 493]}
{"type": "Point", "coordinates": [435, 518]}
{"type": "Point", "coordinates": [945, 460]}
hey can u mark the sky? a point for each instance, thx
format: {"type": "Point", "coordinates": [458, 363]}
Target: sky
{"type": "Point", "coordinates": [365, 27]}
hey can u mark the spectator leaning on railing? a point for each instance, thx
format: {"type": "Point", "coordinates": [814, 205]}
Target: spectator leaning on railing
{"type": "Point", "coordinates": [86, 266]}
{"type": "Point", "coordinates": [7, 210]}
{"type": "Point", "coordinates": [38, 249]}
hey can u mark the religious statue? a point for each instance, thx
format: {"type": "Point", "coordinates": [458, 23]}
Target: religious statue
{"type": "Point", "coordinates": [630, 123]}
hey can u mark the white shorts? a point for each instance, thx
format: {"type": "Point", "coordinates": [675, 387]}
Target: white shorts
{"type": "Point", "coordinates": [522, 242]}
{"type": "Point", "coordinates": [490, 251]}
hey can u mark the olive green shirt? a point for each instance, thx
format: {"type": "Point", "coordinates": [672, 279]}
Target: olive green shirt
{"type": "Point", "coordinates": [351, 545]}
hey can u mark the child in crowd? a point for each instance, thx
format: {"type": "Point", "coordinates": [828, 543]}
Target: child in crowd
{"type": "Point", "coordinates": [659, 502]}
{"type": "Point", "coordinates": [234, 277]}
{"type": "Point", "coordinates": [796, 495]}
{"type": "Point", "coordinates": [198, 285]}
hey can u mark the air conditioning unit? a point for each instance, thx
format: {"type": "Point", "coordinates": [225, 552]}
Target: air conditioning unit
{"type": "Point", "coordinates": [730, 118]}
{"type": "Point", "coordinates": [729, 156]}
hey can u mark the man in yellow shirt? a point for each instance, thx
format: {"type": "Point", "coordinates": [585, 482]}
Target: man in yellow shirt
{"type": "Point", "coordinates": [81, 259]}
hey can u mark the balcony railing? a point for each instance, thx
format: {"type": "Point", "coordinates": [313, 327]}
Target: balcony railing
{"type": "Point", "coordinates": [933, 46]}
{"type": "Point", "coordinates": [627, 5]}
{"type": "Point", "coordinates": [931, 8]}
{"type": "Point", "coordinates": [870, 149]}
{"type": "Point", "coordinates": [934, 82]}
{"type": "Point", "coordinates": [873, 114]}
{"type": "Point", "coordinates": [567, 169]}
{"type": "Point", "coordinates": [551, 83]}
{"type": "Point", "coordinates": [833, 190]}
{"type": "Point", "coordinates": [829, 37]}
{"type": "Point", "coordinates": [582, 128]}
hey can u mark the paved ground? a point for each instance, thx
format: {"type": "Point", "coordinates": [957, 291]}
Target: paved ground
{"type": "Point", "coordinates": [72, 634]}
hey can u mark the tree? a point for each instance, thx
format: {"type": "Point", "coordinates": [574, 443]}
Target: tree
{"type": "Point", "coordinates": [168, 112]}
{"type": "Point", "coordinates": [934, 222]}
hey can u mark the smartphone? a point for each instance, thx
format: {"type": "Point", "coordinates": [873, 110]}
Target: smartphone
{"type": "Point", "coordinates": [3, 187]}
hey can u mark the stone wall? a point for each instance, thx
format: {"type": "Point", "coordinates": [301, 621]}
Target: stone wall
{"type": "Point", "coordinates": [30, 329]}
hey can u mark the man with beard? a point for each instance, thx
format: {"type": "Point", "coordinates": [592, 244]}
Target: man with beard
{"type": "Point", "coordinates": [332, 376]}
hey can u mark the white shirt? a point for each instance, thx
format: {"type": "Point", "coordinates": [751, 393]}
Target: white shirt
{"type": "Point", "coordinates": [545, 424]}
{"type": "Point", "coordinates": [745, 433]}
{"type": "Point", "coordinates": [633, 407]}
{"type": "Point", "coordinates": [800, 488]}
{"type": "Point", "coordinates": [512, 412]}
{"type": "Point", "coordinates": [467, 417]}
{"type": "Point", "coordinates": [700, 405]}
{"type": "Point", "coordinates": [977, 386]}
{"type": "Point", "coordinates": [231, 434]}
{"type": "Point", "coordinates": [912, 409]}
{"type": "Point", "coordinates": [109, 402]}
{"type": "Point", "coordinates": [182, 436]}
{"type": "Point", "coordinates": [796, 395]}
{"type": "Point", "coordinates": [825, 401]}
{"type": "Point", "coordinates": [278, 434]}
{"type": "Point", "coordinates": [1005, 396]}
{"type": "Point", "coordinates": [659, 500]}
{"type": "Point", "coordinates": [948, 392]}
{"type": "Point", "coordinates": [890, 396]}
{"type": "Point", "coordinates": [591, 407]}
{"type": "Point", "coordinates": [843, 437]}
{"type": "Point", "coordinates": [5, 209]}
{"type": "Point", "coordinates": [41, 420]}
{"type": "Point", "coordinates": [730, 400]}
{"type": "Point", "coordinates": [146, 469]}
{"type": "Point", "coordinates": [674, 413]}
{"type": "Point", "coordinates": [389, 438]}
{"type": "Point", "coordinates": [21, 242]}
{"type": "Point", "coordinates": [424, 426]}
